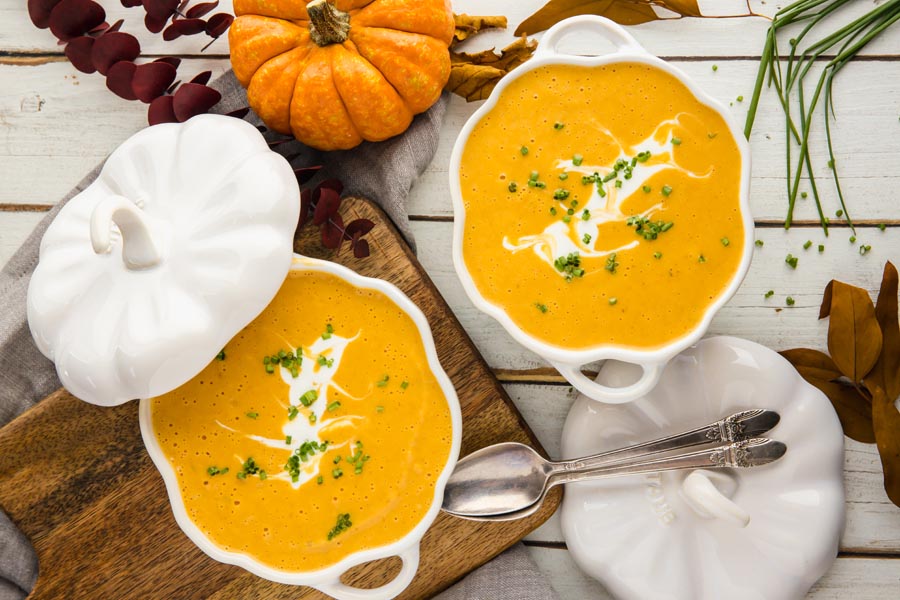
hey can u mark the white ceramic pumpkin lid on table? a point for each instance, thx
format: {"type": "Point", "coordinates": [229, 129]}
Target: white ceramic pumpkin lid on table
{"type": "Point", "coordinates": [181, 241]}
{"type": "Point", "coordinates": [741, 534]}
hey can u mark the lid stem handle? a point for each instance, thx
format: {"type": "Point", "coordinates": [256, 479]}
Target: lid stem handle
{"type": "Point", "coordinates": [139, 250]}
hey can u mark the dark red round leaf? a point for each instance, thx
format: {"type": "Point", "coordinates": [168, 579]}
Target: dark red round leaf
{"type": "Point", "coordinates": [194, 99]}
{"type": "Point", "coordinates": [39, 11]}
{"type": "Point", "coordinates": [218, 24]}
{"type": "Point", "coordinates": [151, 80]}
{"type": "Point", "coordinates": [327, 205]}
{"type": "Point", "coordinates": [171, 33]}
{"type": "Point", "coordinates": [172, 60]}
{"type": "Point", "coordinates": [201, 10]}
{"type": "Point", "coordinates": [130, 3]}
{"type": "Point", "coordinates": [113, 47]}
{"type": "Point", "coordinates": [333, 232]}
{"type": "Point", "coordinates": [304, 174]}
{"type": "Point", "coordinates": [78, 51]}
{"type": "Point", "coordinates": [155, 24]}
{"type": "Point", "coordinates": [160, 9]}
{"type": "Point", "coordinates": [202, 78]}
{"type": "Point", "coordinates": [118, 79]}
{"type": "Point", "coordinates": [360, 248]}
{"type": "Point", "coordinates": [71, 18]}
{"type": "Point", "coordinates": [104, 26]}
{"type": "Point", "coordinates": [305, 197]}
{"type": "Point", "coordinates": [333, 184]}
{"type": "Point", "coordinates": [161, 111]}
{"type": "Point", "coordinates": [181, 27]}
{"type": "Point", "coordinates": [358, 227]}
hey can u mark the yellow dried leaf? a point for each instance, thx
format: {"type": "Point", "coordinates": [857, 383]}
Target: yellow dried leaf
{"type": "Point", "coordinates": [467, 26]}
{"type": "Point", "coordinates": [473, 76]}
{"type": "Point", "coordinates": [854, 335]}
{"type": "Point", "coordinates": [624, 12]}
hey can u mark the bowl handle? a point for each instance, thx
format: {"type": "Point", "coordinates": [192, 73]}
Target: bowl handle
{"type": "Point", "coordinates": [392, 589]}
{"type": "Point", "coordinates": [591, 24]}
{"type": "Point", "coordinates": [612, 395]}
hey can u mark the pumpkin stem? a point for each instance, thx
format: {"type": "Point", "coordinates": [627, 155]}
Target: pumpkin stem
{"type": "Point", "coordinates": [138, 248]}
{"type": "Point", "coordinates": [327, 24]}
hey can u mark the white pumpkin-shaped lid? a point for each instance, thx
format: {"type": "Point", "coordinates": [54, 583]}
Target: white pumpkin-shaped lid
{"type": "Point", "coordinates": [183, 239]}
{"type": "Point", "coordinates": [743, 534]}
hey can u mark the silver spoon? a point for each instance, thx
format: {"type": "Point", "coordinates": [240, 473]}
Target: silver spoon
{"type": "Point", "coordinates": [510, 480]}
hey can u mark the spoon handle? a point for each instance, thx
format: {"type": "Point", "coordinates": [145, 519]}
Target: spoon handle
{"type": "Point", "coordinates": [739, 426]}
{"type": "Point", "coordinates": [746, 453]}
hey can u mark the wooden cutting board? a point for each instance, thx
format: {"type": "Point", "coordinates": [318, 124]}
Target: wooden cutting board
{"type": "Point", "coordinates": [77, 481]}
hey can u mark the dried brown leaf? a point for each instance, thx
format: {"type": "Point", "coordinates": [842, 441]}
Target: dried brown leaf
{"type": "Point", "coordinates": [854, 336]}
{"type": "Point", "coordinates": [624, 12]}
{"type": "Point", "coordinates": [473, 76]}
{"type": "Point", "coordinates": [886, 372]}
{"type": "Point", "coordinates": [853, 407]}
{"type": "Point", "coordinates": [886, 421]}
{"type": "Point", "coordinates": [467, 26]}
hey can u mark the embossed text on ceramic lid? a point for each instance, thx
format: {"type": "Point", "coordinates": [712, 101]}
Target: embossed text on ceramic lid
{"type": "Point", "coordinates": [184, 237]}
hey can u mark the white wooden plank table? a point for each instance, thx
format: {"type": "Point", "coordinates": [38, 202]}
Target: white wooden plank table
{"type": "Point", "coordinates": [56, 124]}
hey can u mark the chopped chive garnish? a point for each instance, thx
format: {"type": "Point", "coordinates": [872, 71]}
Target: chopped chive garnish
{"type": "Point", "coordinates": [676, 141]}
{"type": "Point", "coordinates": [803, 194]}
{"type": "Point", "coordinates": [557, 126]}
{"type": "Point", "coordinates": [585, 215]}
{"type": "Point", "coordinates": [618, 183]}
{"type": "Point", "coordinates": [586, 239]}
{"type": "Point", "coordinates": [313, 418]}
{"type": "Point", "coordinates": [567, 219]}
{"type": "Point", "coordinates": [740, 98]}
{"type": "Point", "coordinates": [701, 259]}
{"type": "Point", "coordinates": [666, 190]}
{"type": "Point", "coordinates": [342, 525]}
{"type": "Point", "coordinates": [250, 468]}
{"type": "Point", "coordinates": [613, 301]}
{"type": "Point", "coordinates": [839, 213]}
{"type": "Point", "coordinates": [328, 331]}
{"type": "Point", "coordinates": [882, 226]}
{"type": "Point", "coordinates": [643, 156]}
{"type": "Point", "coordinates": [533, 176]}
{"type": "Point", "coordinates": [560, 194]}
{"type": "Point", "coordinates": [404, 384]}
{"type": "Point", "coordinates": [725, 241]}
{"type": "Point", "coordinates": [541, 307]}
{"type": "Point", "coordinates": [611, 263]}
{"type": "Point", "coordinates": [324, 362]}
{"type": "Point", "coordinates": [213, 471]}
{"type": "Point", "coordinates": [821, 247]}
{"type": "Point", "coordinates": [320, 480]}
{"type": "Point", "coordinates": [292, 412]}
{"type": "Point", "coordinates": [852, 239]}
{"type": "Point", "coordinates": [646, 189]}
{"type": "Point", "coordinates": [524, 150]}
{"type": "Point", "coordinates": [570, 265]}
{"type": "Point", "coordinates": [309, 397]}
{"type": "Point", "coordinates": [657, 255]}
{"type": "Point", "coordinates": [864, 249]}
{"type": "Point", "coordinates": [337, 472]}
{"type": "Point", "coordinates": [337, 459]}
{"type": "Point", "coordinates": [646, 228]}
{"type": "Point", "coordinates": [252, 415]}
{"type": "Point", "coordinates": [379, 409]}
{"type": "Point", "coordinates": [759, 243]}
{"type": "Point", "coordinates": [711, 135]}
{"type": "Point", "coordinates": [789, 301]}
{"type": "Point", "coordinates": [577, 160]}
{"type": "Point", "coordinates": [715, 67]}
{"type": "Point", "coordinates": [512, 187]}
{"type": "Point", "coordinates": [221, 355]}
{"type": "Point", "coordinates": [334, 406]}
{"type": "Point", "coordinates": [288, 439]}
{"type": "Point", "coordinates": [540, 185]}
{"type": "Point", "coordinates": [770, 293]}
{"type": "Point", "coordinates": [563, 176]}
{"type": "Point", "coordinates": [807, 244]}
{"type": "Point", "coordinates": [553, 210]}
{"type": "Point", "coordinates": [791, 260]}
{"type": "Point", "coordinates": [383, 381]}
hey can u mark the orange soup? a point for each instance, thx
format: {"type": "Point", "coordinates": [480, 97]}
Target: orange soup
{"type": "Point", "coordinates": [602, 206]}
{"type": "Point", "coordinates": [320, 430]}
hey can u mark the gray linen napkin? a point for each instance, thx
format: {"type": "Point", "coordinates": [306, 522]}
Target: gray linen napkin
{"type": "Point", "coordinates": [382, 171]}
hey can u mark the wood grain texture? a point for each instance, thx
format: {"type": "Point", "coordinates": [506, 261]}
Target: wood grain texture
{"type": "Point", "coordinates": [77, 480]}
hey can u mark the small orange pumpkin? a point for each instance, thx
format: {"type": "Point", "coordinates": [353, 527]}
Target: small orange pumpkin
{"type": "Point", "coordinates": [335, 74]}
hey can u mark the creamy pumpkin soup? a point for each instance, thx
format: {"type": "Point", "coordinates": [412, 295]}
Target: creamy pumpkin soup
{"type": "Point", "coordinates": [318, 432]}
{"type": "Point", "coordinates": [602, 206]}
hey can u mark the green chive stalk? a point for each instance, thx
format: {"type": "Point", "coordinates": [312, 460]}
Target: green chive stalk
{"type": "Point", "coordinates": [788, 81]}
